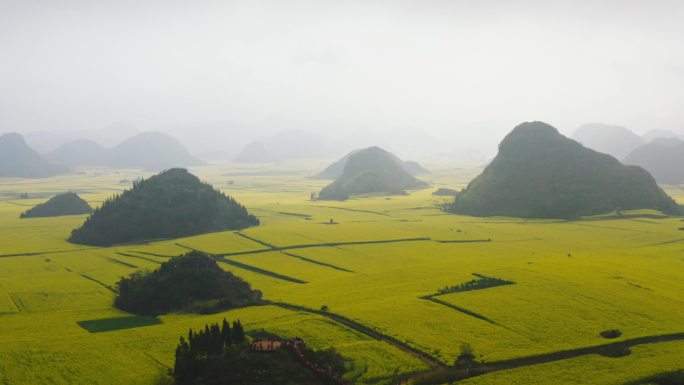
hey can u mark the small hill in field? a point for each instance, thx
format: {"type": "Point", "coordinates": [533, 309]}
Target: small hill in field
{"type": "Point", "coordinates": [171, 204]}
{"type": "Point", "coordinates": [663, 158]}
{"type": "Point", "coordinates": [18, 160]}
{"type": "Point", "coordinates": [612, 140]}
{"type": "Point", "coordinates": [191, 282]}
{"type": "Point", "coordinates": [68, 203]}
{"type": "Point", "coordinates": [150, 150]}
{"type": "Point", "coordinates": [371, 170]}
{"type": "Point", "coordinates": [539, 173]}
{"type": "Point", "coordinates": [336, 169]}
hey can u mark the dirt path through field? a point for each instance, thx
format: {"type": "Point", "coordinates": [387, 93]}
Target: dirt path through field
{"type": "Point", "coordinates": [451, 374]}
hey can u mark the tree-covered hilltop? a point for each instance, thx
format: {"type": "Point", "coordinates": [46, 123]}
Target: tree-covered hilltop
{"type": "Point", "coordinates": [371, 170]}
{"type": "Point", "coordinates": [171, 204]}
{"type": "Point", "coordinates": [192, 282]}
{"type": "Point", "coordinates": [336, 169]}
{"type": "Point", "coordinates": [540, 173]}
{"type": "Point", "coordinates": [221, 354]}
{"type": "Point", "coordinates": [68, 203]}
{"type": "Point", "coordinates": [18, 160]}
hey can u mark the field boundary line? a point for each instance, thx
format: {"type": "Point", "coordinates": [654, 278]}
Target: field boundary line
{"type": "Point", "coordinates": [137, 256]}
{"type": "Point", "coordinates": [151, 254]}
{"type": "Point", "coordinates": [355, 210]}
{"type": "Point", "coordinates": [272, 247]}
{"type": "Point", "coordinates": [363, 329]}
{"type": "Point", "coordinates": [317, 262]}
{"type": "Point", "coordinates": [459, 309]}
{"type": "Point", "coordinates": [463, 240]}
{"type": "Point", "coordinates": [32, 253]}
{"type": "Point", "coordinates": [254, 269]}
{"type": "Point", "coordinates": [259, 270]}
{"type": "Point", "coordinates": [16, 305]}
{"type": "Point", "coordinates": [98, 282]}
{"type": "Point", "coordinates": [116, 261]}
{"type": "Point", "coordinates": [159, 363]}
{"type": "Point", "coordinates": [259, 241]}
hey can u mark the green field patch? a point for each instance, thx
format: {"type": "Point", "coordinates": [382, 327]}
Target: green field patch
{"type": "Point", "coordinates": [118, 323]}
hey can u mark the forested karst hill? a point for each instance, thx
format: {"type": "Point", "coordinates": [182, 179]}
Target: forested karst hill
{"type": "Point", "coordinates": [371, 170]}
{"type": "Point", "coordinates": [68, 203]}
{"type": "Point", "coordinates": [171, 204]}
{"type": "Point", "coordinates": [539, 173]}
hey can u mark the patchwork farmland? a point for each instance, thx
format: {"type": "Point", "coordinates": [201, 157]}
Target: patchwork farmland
{"type": "Point", "coordinates": [395, 284]}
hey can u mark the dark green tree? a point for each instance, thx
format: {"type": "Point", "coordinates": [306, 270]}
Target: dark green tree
{"type": "Point", "coordinates": [237, 333]}
{"type": "Point", "coordinates": [226, 333]}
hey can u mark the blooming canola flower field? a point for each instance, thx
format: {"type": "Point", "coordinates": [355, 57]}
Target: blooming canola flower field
{"type": "Point", "coordinates": [376, 261]}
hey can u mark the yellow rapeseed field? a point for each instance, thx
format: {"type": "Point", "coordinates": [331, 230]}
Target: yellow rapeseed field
{"type": "Point", "coordinates": [373, 265]}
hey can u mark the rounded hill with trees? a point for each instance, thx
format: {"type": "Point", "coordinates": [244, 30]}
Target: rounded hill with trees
{"type": "Point", "coordinates": [171, 204]}
{"type": "Point", "coordinates": [539, 173]}
{"type": "Point", "coordinates": [191, 282]}
{"type": "Point", "coordinates": [370, 171]}
{"type": "Point", "coordinates": [336, 169]}
{"type": "Point", "coordinates": [68, 203]}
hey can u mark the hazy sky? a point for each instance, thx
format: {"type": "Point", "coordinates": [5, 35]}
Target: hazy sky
{"type": "Point", "coordinates": [470, 69]}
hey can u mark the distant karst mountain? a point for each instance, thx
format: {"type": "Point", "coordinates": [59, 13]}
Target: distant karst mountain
{"type": "Point", "coordinates": [81, 152]}
{"type": "Point", "coordinates": [539, 173]}
{"type": "Point", "coordinates": [255, 152]}
{"type": "Point", "coordinates": [150, 150]}
{"type": "Point", "coordinates": [662, 157]}
{"type": "Point", "coordinates": [18, 160]}
{"type": "Point", "coordinates": [612, 140]}
{"type": "Point", "coordinates": [68, 203]}
{"type": "Point", "coordinates": [659, 133]}
{"type": "Point", "coordinates": [336, 169]}
{"type": "Point", "coordinates": [371, 170]}
{"type": "Point", "coordinates": [171, 204]}
{"type": "Point", "coordinates": [289, 144]}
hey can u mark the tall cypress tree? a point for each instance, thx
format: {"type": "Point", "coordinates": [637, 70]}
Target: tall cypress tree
{"type": "Point", "coordinates": [182, 370]}
{"type": "Point", "coordinates": [216, 340]}
{"type": "Point", "coordinates": [238, 333]}
{"type": "Point", "coordinates": [225, 333]}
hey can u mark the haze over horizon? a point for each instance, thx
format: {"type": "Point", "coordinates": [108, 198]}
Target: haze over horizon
{"type": "Point", "coordinates": [463, 72]}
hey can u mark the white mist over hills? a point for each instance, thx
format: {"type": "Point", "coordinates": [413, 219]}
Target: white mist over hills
{"type": "Point", "coordinates": [429, 76]}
